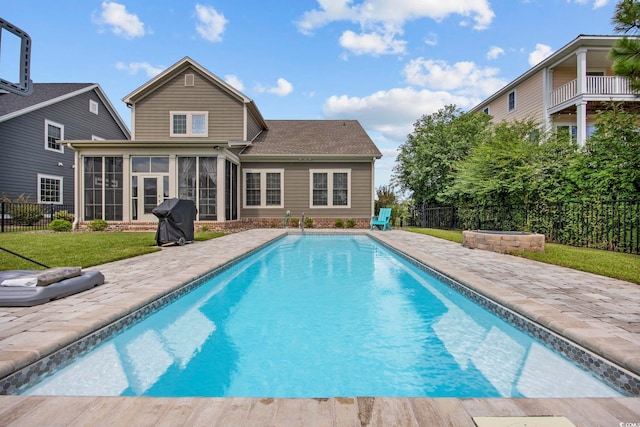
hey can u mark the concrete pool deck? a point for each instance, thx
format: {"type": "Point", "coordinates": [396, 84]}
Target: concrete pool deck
{"type": "Point", "coordinates": [598, 313]}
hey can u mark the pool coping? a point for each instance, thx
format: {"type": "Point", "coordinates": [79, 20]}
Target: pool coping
{"type": "Point", "coordinates": [135, 314]}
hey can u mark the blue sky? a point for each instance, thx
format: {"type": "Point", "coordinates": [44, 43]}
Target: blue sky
{"type": "Point", "coordinates": [383, 62]}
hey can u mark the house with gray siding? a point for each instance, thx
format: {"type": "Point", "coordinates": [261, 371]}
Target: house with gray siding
{"type": "Point", "coordinates": [196, 137]}
{"type": "Point", "coordinates": [35, 163]}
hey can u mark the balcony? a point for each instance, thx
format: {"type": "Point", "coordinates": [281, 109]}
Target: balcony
{"type": "Point", "coordinates": [606, 86]}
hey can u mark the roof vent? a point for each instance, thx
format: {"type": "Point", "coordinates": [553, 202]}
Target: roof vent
{"type": "Point", "coordinates": [189, 80]}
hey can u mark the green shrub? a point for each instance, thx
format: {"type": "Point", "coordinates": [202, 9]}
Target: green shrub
{"type": "Point", "coordinates": [294, 222]}
{"type": "Point", "coordinates": [60, 225]}
{"type": "Point", "coordinates": [351, 223]}
{"type": "Point", "coordinates": [204, 228]}
{"type": "Point", "coordinates": [63, 215]}
{"type": "Point", "coordinates": [26, 214]}
{"type": "Point", "coordinates": [308, 222]}
{"type": "Point", "coordinates": [339, 223]}
{"type": "Point", "coordinates": [97, 225]}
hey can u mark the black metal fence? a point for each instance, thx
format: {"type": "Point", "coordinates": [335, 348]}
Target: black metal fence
{"type": "Point", "coordinates": [612, 224]}
{"type": "Point", "coordinates": [31, 216]}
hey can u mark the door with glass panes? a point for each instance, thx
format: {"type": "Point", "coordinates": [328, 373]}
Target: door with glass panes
{"type": "Point", "coordinates": [149, 186]}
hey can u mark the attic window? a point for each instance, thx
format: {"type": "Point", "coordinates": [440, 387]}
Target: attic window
{"type": "Point", "coordinates": [189, 80]}
{"type": "Point", "coordinates": [93, 106]}
{"type": "Point", "coordinates": [189, 123]}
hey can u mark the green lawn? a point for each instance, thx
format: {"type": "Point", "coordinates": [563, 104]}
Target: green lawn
{"type": "Point", "coordinates": [606, 263]}
{"type": "Point", "coordinates": [84, 249]}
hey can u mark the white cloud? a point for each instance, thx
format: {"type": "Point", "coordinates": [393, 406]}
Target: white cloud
{"type": "Point", "coordinates": [541, 52]}
{"type": "Point", "coordinates": [431, 40]}
{"type": "Point", "coordinates": [134, 67]}
{"type": "Point", "coordinates": [396, 12]}
{"type": "Point", "coordinates": [597, 4]}
{"type": "Point", "coordinates": [211, 23]}
{"type": "Point", "coordinates": [463, 78]}
{"type": "Point", "coordinates": [122, 23]}
{"type": "Point", "coordinates": [392, 112]}
{"type": "Point", "coordinates": [372, 43]}
{"type": "Point", "coordinates": [283, 88]}
{"type": "Point", "coordinates": [495, 52]}
{"type": "Point", "coordinates": [234, 81]}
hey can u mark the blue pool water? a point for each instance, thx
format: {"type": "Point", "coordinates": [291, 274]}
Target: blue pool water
{"type": "Point", "coordinates": [321, 316]}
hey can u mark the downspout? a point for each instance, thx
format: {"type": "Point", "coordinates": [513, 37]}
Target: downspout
{"type": "Point", "coordinates": [76, 189]}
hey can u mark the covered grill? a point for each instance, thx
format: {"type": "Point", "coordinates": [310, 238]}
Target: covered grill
{"type": "Point", "coordinates": [176, 221]}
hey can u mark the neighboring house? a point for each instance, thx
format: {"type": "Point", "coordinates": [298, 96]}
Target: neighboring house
{"type": "Point", "coordinates": [196, 137]}
{"type": "Point", "coordinates": [564, 91]}
{"type": "Point", "coordinates": [34, 162]}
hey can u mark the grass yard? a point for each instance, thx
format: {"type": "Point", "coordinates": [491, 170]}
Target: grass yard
{"type": "Point", "coordinates": [84, 249]}
{"type": "Point", "coordinates": [605, 263]}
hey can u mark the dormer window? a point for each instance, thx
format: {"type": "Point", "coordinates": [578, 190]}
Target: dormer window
{"type": "Point", "coordinates": [189, 123]}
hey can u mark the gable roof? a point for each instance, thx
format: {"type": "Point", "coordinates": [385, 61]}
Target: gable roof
{"type": "Point", "coordinates": [44, 94]}
{"type": "Point", "coordinates": [185, 63]}
{"type": "Point", "coordinates": [602, 41]}
{"type": "Point", "coordinates": [306, 138]}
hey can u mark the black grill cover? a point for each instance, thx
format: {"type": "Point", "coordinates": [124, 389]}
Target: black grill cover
{"type": "Point", "coordinates": [176, 218]}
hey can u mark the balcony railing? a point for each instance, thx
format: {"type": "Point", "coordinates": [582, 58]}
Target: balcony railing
{"type": "Point", "coordinates": [596, 85]}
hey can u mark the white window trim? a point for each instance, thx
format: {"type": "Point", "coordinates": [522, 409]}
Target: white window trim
{"type": "Point", "coordinates": [486, 110]}
{"type": "Point", "coordinates": [59, 178]}
{"type": "Point", "coordinates": [263, 188]}
{"type": "Point", "coordinates": [515, 101]}
{"type": "Point", "coordinates": [46, 135]}
{"type": "Point", "coordinates": [330, 173]}
{"type": "Point", "coordinates": [189, 115]}
{"type": "Point", "coordinates": [96, 138]}
{"type": "Point", "coordinates": [93, 107]}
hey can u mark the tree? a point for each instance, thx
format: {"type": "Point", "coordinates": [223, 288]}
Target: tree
{"type": "Point", "coordinates": [609, 167]}
{"type": "Point", "coordinates": [517, 165]}
{"type": "Point", "coordinates": [625, 53]}
{"type": "Point", "coordinates": [427, 160]}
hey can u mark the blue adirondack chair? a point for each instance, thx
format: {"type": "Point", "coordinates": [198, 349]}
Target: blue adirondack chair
{"type": "Point", "coordinates": [382, 220]}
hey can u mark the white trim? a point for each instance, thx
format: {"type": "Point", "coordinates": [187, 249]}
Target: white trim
{"type": "Point", "coordinates": [46, 136]}
{"type": "Point", "coordinates": [189, 115]}
{"type": "Point", "coordinates": [52, 177]}
{"type": "Point", "coordinates": [190, 80]}
{"type": "Point", "coordinates": [93, 107]}
{"type": "Point", "coordinates": [263, 188]}
{"type": "Point", "coordinates": [96, 138]}
{"type": "Point", "coordinates": [330, 173]}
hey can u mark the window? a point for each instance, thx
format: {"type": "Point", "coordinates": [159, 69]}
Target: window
{"type": "Point", "coordinates": [486, 110]}
{"type": "Point", "coordinates": [331, 188]}
{"type": "Point", "coordinates": [53, 132]}
{"type": "Point", "coordinates": [190, 124]}
{"type": "Point", "coordinates": [103, 188]}
{"type": "Point", "coordinates": [198, 181]}
{"type": "Point", "coordinates": [93, 106]}
{"type": "Point", "coordinates": [512, 100]}
{"type": "Point", "coordinates": [189, 80]}
{"type": "Point", "coordinates": [263, 188]}
{"type": "Point", "coordinates": [96, 138]}
{"type": "Point", "coordinates": [49, 189]}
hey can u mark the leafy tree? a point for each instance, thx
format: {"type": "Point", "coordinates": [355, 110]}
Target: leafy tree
{"type": "Point", "coordinates": [427, 160]}
{"type": "Point", "coordinates": [517, 165]}
{"type": "Point", "coordinates": [609, 167]}
{"type": "Point", "coordinates": [386, 197]}
{"type": "Point", "coordinates": [626, 51]}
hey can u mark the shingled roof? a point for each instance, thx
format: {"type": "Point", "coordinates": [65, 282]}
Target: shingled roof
{"type": "Point", "coordinates": [42, 92]}
{"type": "Point", "coordinates": [313, 137]}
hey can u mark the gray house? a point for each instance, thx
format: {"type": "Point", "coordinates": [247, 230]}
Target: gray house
{"type": "Point", "coordinates": [196, 137]}
{"type": "Point", "coordinates": [34, 162]}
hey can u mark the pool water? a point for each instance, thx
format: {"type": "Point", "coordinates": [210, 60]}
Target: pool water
{"type": "Point", "coordinates": [322, 316]}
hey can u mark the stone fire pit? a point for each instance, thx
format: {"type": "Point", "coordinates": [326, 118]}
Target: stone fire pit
{"type": "Point", "coordinates": [503, 241]}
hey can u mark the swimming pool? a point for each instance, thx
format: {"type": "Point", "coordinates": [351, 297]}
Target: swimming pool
{"type": "Point", "coordinates": [319, 316]}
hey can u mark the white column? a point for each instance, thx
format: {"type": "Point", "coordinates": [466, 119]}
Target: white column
{"type": "Point", "coordinates": [581, 122]}
{"type": "Point", "coordinates": [581, 59]}
{"type": "Point", "coordinates": [220, 187]}
{"type": "Point", "coordinates": [126, 187]}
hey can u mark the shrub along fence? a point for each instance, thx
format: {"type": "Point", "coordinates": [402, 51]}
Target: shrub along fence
{"type": "Point", "coordinates": [604, 224]}
{"type": "Point", "coordinates": [31, 216]}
